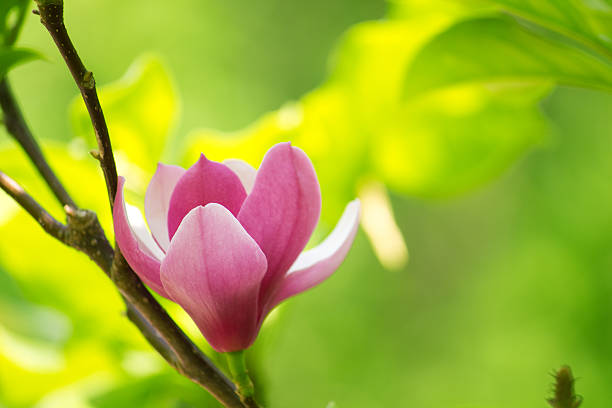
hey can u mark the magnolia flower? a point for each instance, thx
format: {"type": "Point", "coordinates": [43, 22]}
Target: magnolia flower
{"type": "Point", "coordinates": [226, 240]}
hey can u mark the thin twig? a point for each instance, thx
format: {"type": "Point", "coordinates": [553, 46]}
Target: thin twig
{"type": "Point", "coordinates": [185, 356]}
{"type": "Point", "coordinates": [51, 226]}
{"type": "Point", "coordinates": [17, 127]}
{"type": "Point", "coordinates": [82, 230]}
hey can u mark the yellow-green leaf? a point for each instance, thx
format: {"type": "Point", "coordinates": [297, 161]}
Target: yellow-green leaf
{"type": "Point", "coordinates": [587, 21]}
{"type": "Point", "coordinates": [10, 57]}
{"type": "Point", "coordinates": [12, 13]}
{"type": "Point", "coordinates": [513, 54]}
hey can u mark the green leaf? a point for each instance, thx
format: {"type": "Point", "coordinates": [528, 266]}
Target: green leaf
{"type": "Point", "coordinates": [588, 21]}
{"type": "Point", "coordinates": [436, 144]}
{"type": "Point", "coordinates": [453, 140]}
{"type": "Point", "coordinates": [12, 14]}
{"type": "Point", "coordinates": [11, 57]}
{"type": "Point", "coordinates": [140, 110]}
{"type": "Point", "coordinates": [513, 55]}
{"type": "Point", "coordinates": [418, 9]}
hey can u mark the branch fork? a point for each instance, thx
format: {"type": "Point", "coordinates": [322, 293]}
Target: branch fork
{"type": "Point", "coordinates": [83, 231]}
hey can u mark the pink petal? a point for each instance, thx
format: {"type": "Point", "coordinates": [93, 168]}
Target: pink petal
{"type": "Point", "coordinates": [157, 201]}
{"type": "Point", "coordinates": [282, 210]}
{"type": "Point", "coordinates": [139, 256]}
{"type": "Point", "coordinates": [213, 269]}
{"type": "Point", "coordinates": [317, 264]}
{"type": "Point", "coordinates": [245, 172]}
{"type": "Point", "coordinates": [205, 182]}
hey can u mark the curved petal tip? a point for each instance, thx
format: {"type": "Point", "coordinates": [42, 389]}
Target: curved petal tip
{"type": "Point", "coordinates": [317, 264]}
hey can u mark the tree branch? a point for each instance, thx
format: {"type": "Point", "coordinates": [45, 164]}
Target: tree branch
{"type": "Point", "coordinates": [17, 127]}
{"type": "Point", "coordinates": [51, 226]}
{"type": "Point", "coordinates": [143, 309]}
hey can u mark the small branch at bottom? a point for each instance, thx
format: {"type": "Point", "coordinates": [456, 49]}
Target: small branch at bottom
{"type": "Point", "coordinates": [563, 388]}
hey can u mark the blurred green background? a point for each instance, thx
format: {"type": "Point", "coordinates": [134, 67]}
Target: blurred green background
{"type": "Point", "coordinates": [499, 188]}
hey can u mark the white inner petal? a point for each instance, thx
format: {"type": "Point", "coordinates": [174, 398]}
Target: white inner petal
{"type": "Point", "coordinates": [245, 172]}
{"type": "Point", "coordinates": [139, 227]}
{"type": "Point", "coordinates": [157, 201]}
{"type": "Point", "coordinates": [333, 242]}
